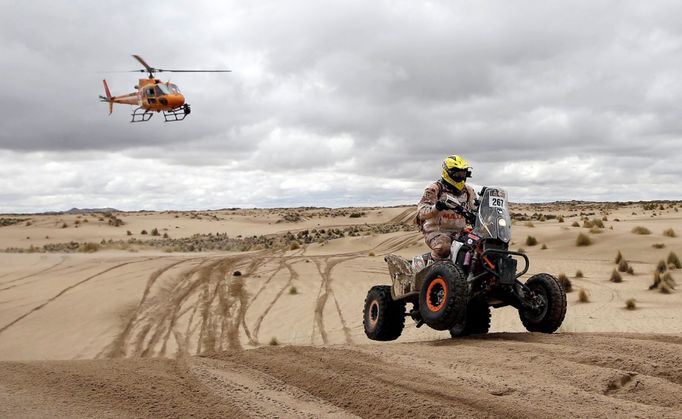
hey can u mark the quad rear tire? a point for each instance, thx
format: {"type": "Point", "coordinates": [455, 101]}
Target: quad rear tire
{"type": "Point", "coordinates": [443, 296]}
{"type": "Point", "coordinates": [384, 318]}
{"type": "Point", "coordinates": [477, 321]}
{"type": "Point", "coordinates": [550, 316]}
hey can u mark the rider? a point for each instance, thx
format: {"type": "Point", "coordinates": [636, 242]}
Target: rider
{"type": "Point", "coordinates": [440, 224]}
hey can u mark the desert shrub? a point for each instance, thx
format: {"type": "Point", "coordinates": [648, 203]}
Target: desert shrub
{"type": "Point", "coordinates": [88, 247]}
{"type": "Point", "coordinates": [631, 304]}
{"type": "Point", "coordinates": [583, 297]}
{"type": "Point", "coordinates": [619, 257]}
{"type": "Point", "coordinates": [588, 224]}
{"type": "Point", "coordinates": [293, 291]}
{"type": "Point", "coordinates": [294, 245]}
{"type": "Point", "coordinates": [371, 254]}
{"type": "Point", "coordinates": [143, 232]}
{"type": "Point", "coordinates": [605, 218]}
{"type": "Point", "coordinates": [356, 215]}
{"type": "Point", "coordinates": [521, 250]}
{"type": "Point", "coordinates": [274, 341]}
{"type": "Point", "coordinates": [237, 273]}
{"type": "Point", "coordinates": [663, 288]}
{"type": "Point", "coordinates": [575, 224]}
{"type": "Point", "coordinates": [598, 223]}
{"type": "Point", "coordinates": [669, 233]}
{"type": "Point", "coordinates": [531, 241]}
{"type": "Point", "coordinates": [129, 233]}
{"type": "Point", "coordinates": [583, 240]}
{"type": "Point", "coordinates": [668, 279]}
{"type": "Point", "coordinates": [560, 219]}
{"type": "Point", "coordinates": [657, 281]}
{"type": "Point", "coordinates": [661, 266]}
{"type": "Point", "coordinates": [579, 274]}
{"type": "Point", "coordinates": [529, 224]}
{"type": "Point", "coordinates": [543, 247]}
{"type": "Point", "coordinates": [615, 277]}
{"type": "Point", "coordinates": [630, 270]}
{"type": "Point", "coordinates": [165, 235]}
{"type": "Point", "coordinates": [596, 230]}
{"type": "Point", "coordinates": [565, 282]}
{"type": "Point", "coordinates": [623, 266]}
{"type": "Point", "coordinates": [658, 245]}
{"type": "Point", "coordinates": [674, 260]}
{"type": "Point", "coordinates": [155, 232]}
{"type": "Point", "coordinates": [641, 230]}
{"type": "Point", "coordinates": [64, 225]}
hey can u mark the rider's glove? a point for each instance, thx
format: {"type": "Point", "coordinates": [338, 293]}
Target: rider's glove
{"type": "Point", "coordinates": [440, 205]}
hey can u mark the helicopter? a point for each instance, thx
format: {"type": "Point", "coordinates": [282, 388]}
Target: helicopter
{"type": "Point", "coordinates": [154, 95]}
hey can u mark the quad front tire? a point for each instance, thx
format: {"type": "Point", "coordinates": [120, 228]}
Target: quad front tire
{"type": "Point", "coordinates": [384, 318]}
{"type": "Point", "coordinates": [550, 315]}
{"type": "Point", "coordinates": [443, 297]}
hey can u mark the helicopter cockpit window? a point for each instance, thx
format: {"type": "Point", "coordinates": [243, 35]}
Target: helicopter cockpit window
{"type": "Point", "coordinates": [163, 88]}
{"type": "Point", "coordinates": [174, 88]}
{"type": "Point", "coordinates": [150, 92]}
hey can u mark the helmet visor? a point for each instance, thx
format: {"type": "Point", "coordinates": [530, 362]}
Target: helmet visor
{"type": "Point", "coordinates": [459, 175]}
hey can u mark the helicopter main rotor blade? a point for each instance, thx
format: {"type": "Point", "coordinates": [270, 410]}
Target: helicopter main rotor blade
{"type": "Point", "coordinates": [144, 64]}
{"type": "Point", "coordinates": [160, 70]}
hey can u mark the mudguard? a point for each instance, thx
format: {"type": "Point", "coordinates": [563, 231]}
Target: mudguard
{"type": "Point", "coordinates": [402, 277]}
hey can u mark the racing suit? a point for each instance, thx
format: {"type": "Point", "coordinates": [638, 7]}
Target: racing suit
{"type": "Point", "coordinates": [441, 227]}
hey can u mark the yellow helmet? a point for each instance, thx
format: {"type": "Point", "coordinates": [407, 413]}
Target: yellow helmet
{"type": "Point", "coordinates": [455, 171]}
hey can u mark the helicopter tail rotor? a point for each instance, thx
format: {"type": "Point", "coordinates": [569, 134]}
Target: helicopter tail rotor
{"type": "Point", "coordinates": [107, 99]}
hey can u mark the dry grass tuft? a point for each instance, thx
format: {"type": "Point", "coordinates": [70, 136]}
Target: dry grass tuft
{"type": "Point", "coordinates": [565, 282]}
{"type": "Point", "coordinates": [560, 219]}
{"type": "Point", "coordinates": [543, 247]}
{"type": "Point", "coordinates": [579, 274]}
{"type": "Point", "coordinates": [658, 245]}
{"type": "Point", "coordinates": [274, 341]}
{"type": "Point", "coordinates": [293, 291]}
{"type": "Point", "coordinates": [596, 230]}
{"type": "Point", "coordinates": [371, 254]}
{"type": "Point", "coordinates": [669, 233]}
{"type": "Point", "coordinates": [661, 266]}
{"type": "Point", "coordinates": [531, 241]}
{"type": "Point", "coordinates": [623, 266]}
{"type": "Point", "coordinates": [630, 304]}
{"type": "Point", "coordinates": [615, 277]}
{"type": "Point", "coordinates": [529, 224]}
{"type": "Point", "coordinates": [575, 224]}
{"type": "Point", "coordinates": [674, 260]}
{"type": "Point", "coordinates": [583, 240]}
{"type": "Point", "coordinates": [583, 297]}
{"type": "Point", "coordinates": [619, 257]}
{"type": "Point", "coordinates": [641, 230]}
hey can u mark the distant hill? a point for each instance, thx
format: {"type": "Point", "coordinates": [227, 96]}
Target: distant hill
{"type": "Point", "coordinates": [90, 210]}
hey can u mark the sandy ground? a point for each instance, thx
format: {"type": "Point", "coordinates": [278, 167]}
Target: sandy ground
{"type": "Point", "coordinates": [148, 333]}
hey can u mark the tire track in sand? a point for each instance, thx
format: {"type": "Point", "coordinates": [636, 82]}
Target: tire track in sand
{"type": "Point", "coordinates": [69, 288]}
{"type": "Point", "coordinates": [199, 310]}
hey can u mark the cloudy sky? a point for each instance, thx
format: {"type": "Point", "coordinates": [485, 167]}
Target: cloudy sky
{"type": "Point", "coordinates": [334, 103]}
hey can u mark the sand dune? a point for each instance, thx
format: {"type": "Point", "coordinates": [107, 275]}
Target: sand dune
{"type": "Point", "coordinates": [144, 332]}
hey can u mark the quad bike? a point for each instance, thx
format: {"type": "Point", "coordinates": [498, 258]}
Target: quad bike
{"type": "Point", "coordinates": [457, 294]}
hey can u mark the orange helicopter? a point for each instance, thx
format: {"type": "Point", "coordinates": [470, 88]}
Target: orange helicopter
{"type": "Point", "coordinates": [153, 95]}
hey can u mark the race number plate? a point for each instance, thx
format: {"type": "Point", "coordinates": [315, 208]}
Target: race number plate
{"type": "Point", "coordinates": [496, 202]}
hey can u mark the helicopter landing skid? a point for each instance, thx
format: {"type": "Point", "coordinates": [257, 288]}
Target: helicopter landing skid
{"type": "Point", "coordinates": [141, 115]}
{"type": "Point", "coordinates": [176, 114]}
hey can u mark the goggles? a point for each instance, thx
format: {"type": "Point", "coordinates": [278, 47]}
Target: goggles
{"type": "Point", "coordinates": [459, 175]}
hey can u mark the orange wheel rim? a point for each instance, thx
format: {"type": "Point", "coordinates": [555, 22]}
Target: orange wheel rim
{"type": "Point", "coordinates": [436, 294]}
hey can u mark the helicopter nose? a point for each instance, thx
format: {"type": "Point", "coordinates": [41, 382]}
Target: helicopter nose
{"type": "Point", "coordinates": [176, 100]}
